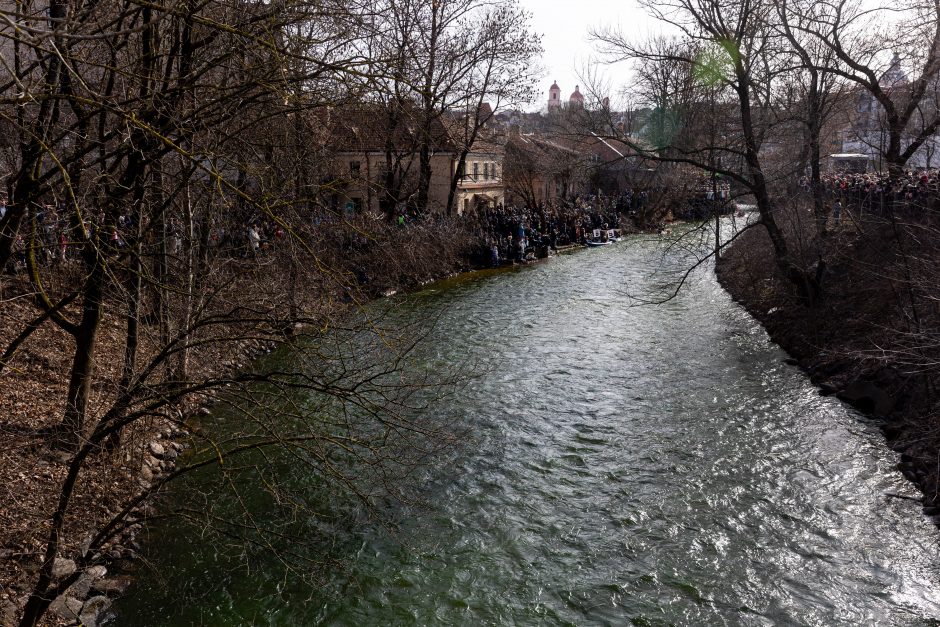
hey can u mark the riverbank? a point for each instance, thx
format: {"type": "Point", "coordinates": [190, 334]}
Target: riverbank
{"type": "Point", "coordinates": [33, 389]}
{"type": "Point", "coordinates": [865, 341]}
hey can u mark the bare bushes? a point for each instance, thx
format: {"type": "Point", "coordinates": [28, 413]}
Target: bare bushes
{"type": "Point", "coordinates": [376, 256]}
{"type": "Point", "coordinates": [749, 266]}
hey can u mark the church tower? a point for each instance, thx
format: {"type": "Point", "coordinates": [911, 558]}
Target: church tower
{"type": "Point", "coordinates": [554, 97]}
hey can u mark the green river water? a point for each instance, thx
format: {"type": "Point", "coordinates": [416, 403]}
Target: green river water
{"type": "Point", "coordinates": [618, 465]}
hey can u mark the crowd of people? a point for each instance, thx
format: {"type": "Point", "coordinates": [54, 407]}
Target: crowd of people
{"type": "Point", "coordinates": [508, 233]}
{"type": "Point", "coordinates": [54, 235]}
{"type": "Point", "coordinates": [874, 191]}
{"type": "Point", "coordinates": [514, 233]}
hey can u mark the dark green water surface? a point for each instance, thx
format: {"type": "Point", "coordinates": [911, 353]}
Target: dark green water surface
{"type": "Point", "coordinates": [623, 465]}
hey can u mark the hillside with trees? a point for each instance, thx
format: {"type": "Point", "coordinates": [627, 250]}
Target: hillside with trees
{"type": "Point", "coordinates": [167, 216]}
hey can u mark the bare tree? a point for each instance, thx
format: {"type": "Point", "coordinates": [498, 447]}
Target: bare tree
{"type": "Point", "coordinates": [818, 92]}
{"type": "Point", "coordinates": [149, 136]}
{"type": "Point", "coordinates": [502, 75]}
{"type": "Point", "coordinates": [857, 43]}
{"type": "Point", "coordinates": [732, 46]}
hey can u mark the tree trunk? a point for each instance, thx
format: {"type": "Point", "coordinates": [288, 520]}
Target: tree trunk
{"type": "Point", "coordinates": [132, 319]}
{"type": "Point", "coordinates": [189, 288]}
{"type": "Point", "coordinates": [72, 429]}
{"type": "Point", "coordinates": [424, 177]}
{"type": "Point", "coordinates": [455, 180]}
{"type": "Point", "coordinates": [805, 283]}
{"type": "Point", "coordinates": [815, 116]}
{"type": "Point", "coordinates": [42, 594]}
{"type": "Point", "coordinates": [132, 323]}
{"type": "Point", "coordinates": [9, 228]}
{"type": "Point", "coordinates": [816, 185]}
{"type": "Point", "coordinates": [428, 98]}
{"type": "Point", "coordinates": [161, 254]}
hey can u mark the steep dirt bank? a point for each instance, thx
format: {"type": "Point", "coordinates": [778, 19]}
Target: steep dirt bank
{"type": "Point", "coordinates": [857, 343]}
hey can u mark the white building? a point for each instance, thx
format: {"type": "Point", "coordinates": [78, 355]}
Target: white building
{"type": "Point", "coordinates": [867, 135]}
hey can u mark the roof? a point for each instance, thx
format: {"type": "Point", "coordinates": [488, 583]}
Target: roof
{"type": "Point", "coordinates": [611, 145]}
{"type": "Point", "coordinates": [458, 132]}
{"type": "Point", "coordinates": [605, 149]}
{"type": "Point", "coordinates": [367, 128]}
{"type": "Point", "coordinates": [484, 145]}
{"type": "Point", "coordinates": [534, 146]}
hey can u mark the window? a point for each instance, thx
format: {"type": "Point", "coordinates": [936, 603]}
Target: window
{"type": "Point", "coordinates": [476, 170]}
{"type": "Point", "coordinates": [486, 170]}
{"type": "Point", "coordinates": [354, 167]}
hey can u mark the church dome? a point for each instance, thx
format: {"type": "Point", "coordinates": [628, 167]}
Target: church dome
{"type": "Point", "coordinates": [576, 96]}
{"type": "Point", "coordinates": [894, 76]}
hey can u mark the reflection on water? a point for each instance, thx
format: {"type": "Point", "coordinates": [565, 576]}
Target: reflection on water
{"type": "Point", "coordinates": [659, 465]}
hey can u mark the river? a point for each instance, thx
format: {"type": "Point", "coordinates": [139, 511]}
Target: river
{"type": "Point", "coordinates": [623, 464]}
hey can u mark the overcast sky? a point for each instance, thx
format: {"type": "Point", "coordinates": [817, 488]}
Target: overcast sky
{"type": "Point", "coordinates": [564, 27]}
